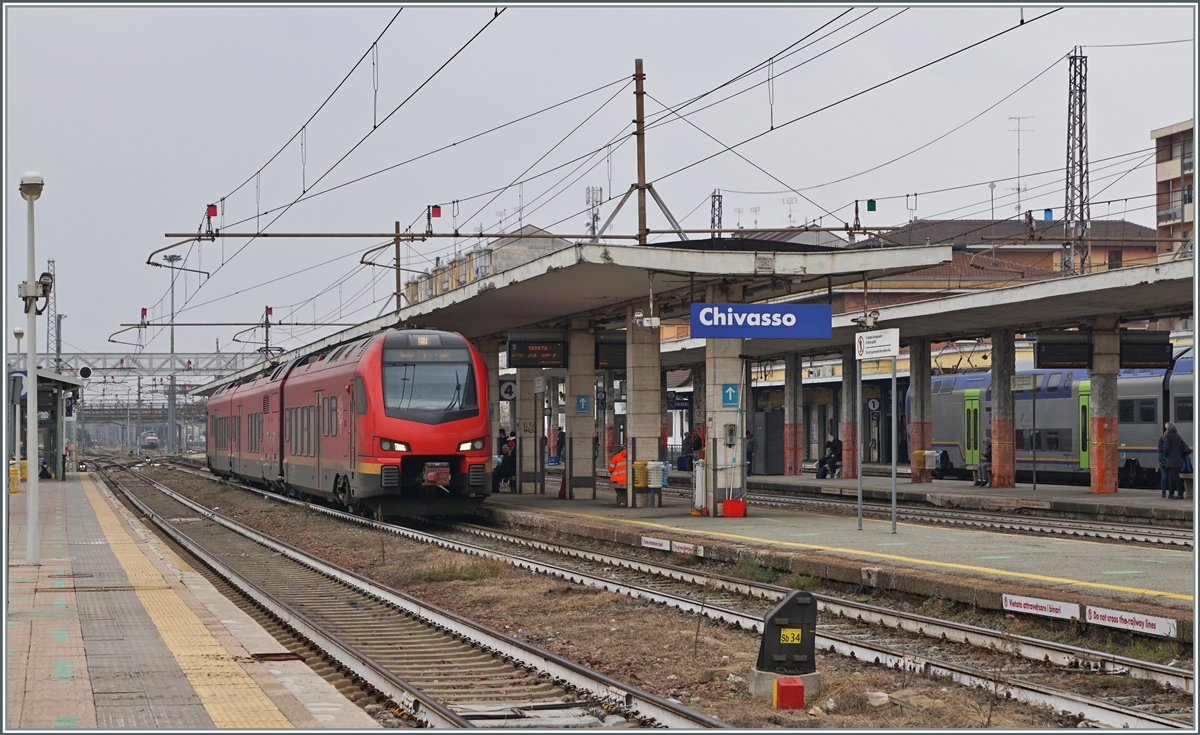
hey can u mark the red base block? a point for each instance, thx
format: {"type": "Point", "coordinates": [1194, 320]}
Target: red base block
{"type": "Point", "coordinates": [788, 694]}
{"type": "Point", "coordinates": [849, 450]}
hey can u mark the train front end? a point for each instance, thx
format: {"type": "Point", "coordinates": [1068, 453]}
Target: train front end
{"type": "Point", "coordinates": [421, 404]}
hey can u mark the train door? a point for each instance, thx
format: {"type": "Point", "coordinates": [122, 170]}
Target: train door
{"type": "Point", "coordinates": [236, 461]}
{"type": "Point", "coordinates": [1085, 424]}
{"type": "Point", "coordinates": [971, 426]}
{"type": "Point", "coordinates": [318, 428]}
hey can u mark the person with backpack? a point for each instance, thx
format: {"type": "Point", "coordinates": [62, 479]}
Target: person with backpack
{"type": "Point", "coordinates": [1175, 449]}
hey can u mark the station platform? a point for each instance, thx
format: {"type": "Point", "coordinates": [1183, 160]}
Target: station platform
{"type": "Point", "coordinates": [112, 630]}
{"type": "Point", "coordinates": [973, 567]}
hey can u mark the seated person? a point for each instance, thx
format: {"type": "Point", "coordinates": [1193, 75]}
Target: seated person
{"type": "Point", "coordinates": [507, 469]}
{"type": "Point", "coordinates": [983, 474]}
{"type": "Point", "coordinates": [44, 473]}
{"type": "Point", "coordinates": [827, 466]}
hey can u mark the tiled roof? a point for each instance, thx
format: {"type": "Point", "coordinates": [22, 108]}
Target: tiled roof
{"type": "Point", "coordinates": [972, 232]}
{"type": "Point", "coordinates": [977, 266]}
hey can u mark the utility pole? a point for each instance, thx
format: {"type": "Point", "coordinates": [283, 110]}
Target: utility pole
{"type": "Point", "coordinates": [51, 312]}
{"type": "Point", "coordinates": [1018, 131]}
{"type": "Point", "coordinates": [172, 259]}
{"type": "Point", "coordinates": [399, 283]}
{"type": "Point", "coordinates": [639, 96]}
{"type": "Point", "coordinates": [58, 341]}
{"type": "Point", "coordinates": [1077, 214]}
{"type": "Point", "coordinates": [717, 214]}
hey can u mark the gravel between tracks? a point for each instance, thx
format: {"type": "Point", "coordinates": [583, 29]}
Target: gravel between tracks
{"type": "Point", "coordinates": [659, 649]}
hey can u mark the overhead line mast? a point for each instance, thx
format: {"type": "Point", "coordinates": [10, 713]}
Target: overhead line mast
{"type": "Point", "coordinates": [1077, 215]}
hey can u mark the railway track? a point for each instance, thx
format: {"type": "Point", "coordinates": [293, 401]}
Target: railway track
{"type": "Point", "coordinates": [1021, 667]}
{"type": "Point", "coordinates": [1102, 531]}
{"type": "Point", "coordinates": [442, 670]}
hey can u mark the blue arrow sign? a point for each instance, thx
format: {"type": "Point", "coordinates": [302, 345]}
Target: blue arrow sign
{"type": "Point", "coordinates": [583, 405]}
{"type": "Point", "coordinates": [729, 395]}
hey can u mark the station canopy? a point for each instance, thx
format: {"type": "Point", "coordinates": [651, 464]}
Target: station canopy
{"type": "Point", "coordinates": [599, 281]}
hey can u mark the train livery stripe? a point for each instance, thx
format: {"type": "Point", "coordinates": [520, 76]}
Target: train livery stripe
{"type": "Point", "coordinates": [872, 554]}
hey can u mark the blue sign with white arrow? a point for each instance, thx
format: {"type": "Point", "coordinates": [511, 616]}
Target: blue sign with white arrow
{"type": "Point", "coordinates": [583, 405]}
{"type": "Point", "coordinates": [762, 321]}
{"type": "Point", "coordinates": [730, 392]}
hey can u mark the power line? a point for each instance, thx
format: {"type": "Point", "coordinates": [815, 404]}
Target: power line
{"type": "Point", "coordinates": [858, 94]}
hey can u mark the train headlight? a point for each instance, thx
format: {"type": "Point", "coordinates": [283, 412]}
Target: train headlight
{"type": "Point", "coordinates": [390, 446]}
{"type": "Point", "coordinates": [475, 444]}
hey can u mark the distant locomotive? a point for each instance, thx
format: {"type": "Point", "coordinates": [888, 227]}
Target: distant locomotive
{"type": "Point", "coordinates": [150, 441]}
{"type": "Point", "coordinates": [391, 424]}
{"type": "Point", "coordinates": [1146, 399]}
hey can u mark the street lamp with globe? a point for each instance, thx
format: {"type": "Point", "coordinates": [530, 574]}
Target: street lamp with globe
{"type": "Point", "coordinates": [31, 188]}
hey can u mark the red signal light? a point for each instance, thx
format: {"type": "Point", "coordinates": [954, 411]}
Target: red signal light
{"type": "Point", "coordinates": [212, 210]}
{"type": "Point", "coordinates": [435, 211]}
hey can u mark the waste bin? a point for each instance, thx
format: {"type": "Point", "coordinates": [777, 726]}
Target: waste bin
{"type": "Point", "coordinates": [639, 473]}
{"type": "Point", "coordinates": [931, 459]}
{"type": "Point", "coordinates": [14, 477]}
{"type": "Point", "coordinates": [24, 469]}
{"type": "Point", "coordinates": [918, 460]}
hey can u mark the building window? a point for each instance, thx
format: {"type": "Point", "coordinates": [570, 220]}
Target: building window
{"type": "Point", "coordinates": [1114, 259]}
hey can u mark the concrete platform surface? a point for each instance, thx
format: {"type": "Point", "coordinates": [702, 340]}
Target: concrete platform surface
{"type": "Point", "coordinates": [927, 560]}
{"type": "Point", "coordinates": [112, 630]}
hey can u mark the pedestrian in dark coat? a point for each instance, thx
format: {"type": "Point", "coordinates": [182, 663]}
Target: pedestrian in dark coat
{"type": "Point", "coordinates": [1174, 450]}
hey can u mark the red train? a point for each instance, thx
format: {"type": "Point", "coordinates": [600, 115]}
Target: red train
{"type": "Point", "coordinates": [391, 424]}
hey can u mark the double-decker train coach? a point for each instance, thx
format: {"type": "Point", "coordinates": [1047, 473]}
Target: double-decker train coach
{"type": "Point", "coordinates": [1147, 398]}
{"type": "Point", "coordinates": [392, 424]}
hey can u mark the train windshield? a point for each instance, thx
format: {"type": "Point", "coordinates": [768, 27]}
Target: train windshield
{"type": "Point", "coordinates": [429, 385]}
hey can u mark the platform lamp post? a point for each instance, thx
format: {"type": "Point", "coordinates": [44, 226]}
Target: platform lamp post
{"type": "Point", "coordinates": [31, 188]}
{"type": "Point", "coordinates": [171, 443]}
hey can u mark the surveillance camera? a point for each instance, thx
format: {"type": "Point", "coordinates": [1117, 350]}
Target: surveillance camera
{"type": "Point", "coordinates": [637, 314]}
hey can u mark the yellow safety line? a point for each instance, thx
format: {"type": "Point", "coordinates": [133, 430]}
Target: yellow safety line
{"type": "Point", "coordinates": [875, 554]}
{"type": "Point", "coordinates": [227, 692]}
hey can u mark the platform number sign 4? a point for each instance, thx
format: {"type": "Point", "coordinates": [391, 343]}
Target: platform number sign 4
{"type": "Point", "coordinates": [508, 390]}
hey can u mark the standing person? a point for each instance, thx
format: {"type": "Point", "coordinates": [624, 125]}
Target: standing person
{"type": "Point", "coordinates": [1174, 450]}
{"type": "Point", "coordinates": [983, 477]}
{"type": "Point", "coordinates": [507, 469]}
{"type": "Point", "coordinates": [697, 445]}
{"type": "Point", "coordinates": [751, 450]}
{"type": "Point", "coordinates": [1163, 482]}
{"type": "Point", "coordinates": [560, 444]}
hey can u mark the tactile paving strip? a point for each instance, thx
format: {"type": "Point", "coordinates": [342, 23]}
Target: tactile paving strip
{"type": "Point", "coordinates": [228, 694]}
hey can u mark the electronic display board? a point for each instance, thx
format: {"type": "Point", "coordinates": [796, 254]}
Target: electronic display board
{"type": "Point", "coordinates": [610, 355]}
{"type": "Point", "coordinates": [537, 353]}
{"type": "Point", "coordinates": [1146, 350]}
{"type": "Point", "coordinates": [1062, 350]}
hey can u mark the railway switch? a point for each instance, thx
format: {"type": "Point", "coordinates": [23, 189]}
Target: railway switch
{"type": "Point", "coordinates": [789, 636]}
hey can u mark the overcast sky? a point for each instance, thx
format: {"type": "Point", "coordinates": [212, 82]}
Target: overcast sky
{"type": "Point", "coordinates": [138, 117]}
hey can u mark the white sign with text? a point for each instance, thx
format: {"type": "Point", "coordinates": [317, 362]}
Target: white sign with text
{"type": "Point", "coordinates": [1035, 606]}
{"type": "Point", "coordinates": [656, 543]}
{"type": "Point", "coordinates": [881, 343]}
{"type": "Point", "coordinates": [1148, 624]}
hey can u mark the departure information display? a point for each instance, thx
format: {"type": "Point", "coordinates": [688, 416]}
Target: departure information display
{"type": "Point", "coordinates": [539, 353]}
{"type": "Point", "coordinates": [610, 355]}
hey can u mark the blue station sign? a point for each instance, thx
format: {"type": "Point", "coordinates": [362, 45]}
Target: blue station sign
{"type": "Point", "coordinates": [762, 321]}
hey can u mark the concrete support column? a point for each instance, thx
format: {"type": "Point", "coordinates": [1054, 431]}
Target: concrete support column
{"type": "Point", "coordinates": [664, 417]}
{"type": "Point", "coordinates": [920, 412]}
{"type": "Point", "coordinates": [793, 414]}
{"type": "Point", "coordinates": [849, 411]}
{"type": "Point", "coordinates": [722, 367]}
{"type": "Point", "coordinates": [528, 417]}
{"type": "Point", "coordinates": [608, 420]}
{"type": "Point", "coordinates": [1106, 362]}
{"type": "Point", "coordinates": [581, 427]}
{"type": "Point", "coordinates": [643, 393]}
{"type": "Point", "coordinates": [1004, 367]}
{"type": "Point", "coordinates": [699, 412]}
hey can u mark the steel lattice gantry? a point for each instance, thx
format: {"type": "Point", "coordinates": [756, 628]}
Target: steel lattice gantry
{"type": "Point", "coordinates": [149, 364]}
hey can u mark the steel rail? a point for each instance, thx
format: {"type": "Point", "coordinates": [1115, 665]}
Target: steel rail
{"type": "Point", "coordinates": [418, 704]}
{"type": "Point", "coordinates": [604, 688]}
{"type": "Point", "coordinates": [1033, 649]}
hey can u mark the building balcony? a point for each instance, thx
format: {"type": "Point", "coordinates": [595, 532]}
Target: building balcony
{"type": "Point", "coordinates": [1171, 216]}
{"type": "Point", "coordinates": [1169, 170]}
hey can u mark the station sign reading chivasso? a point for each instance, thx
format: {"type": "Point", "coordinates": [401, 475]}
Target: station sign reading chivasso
{"type": "Point", "coordinates": [762, 321]}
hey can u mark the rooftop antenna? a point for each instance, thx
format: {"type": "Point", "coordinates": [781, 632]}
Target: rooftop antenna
{"type": "Point", "coordinates": [790, 201]}
{"type": "Point", "coordinates": [502, 214]}
{"type": "Point", "coordinates": [716, 223]}
{"type": "Point", "coordinates": [593, 196]}
{"type": "Point", "coordinates": [739, 211]}
{"type": "Point", "coordinates": [1018, 131]}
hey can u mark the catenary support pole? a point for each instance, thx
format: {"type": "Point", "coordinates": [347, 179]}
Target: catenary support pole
{"type": "Point", "coordinates": [858, 440]}
{"type": "Point", "coordinates": [895, 427]}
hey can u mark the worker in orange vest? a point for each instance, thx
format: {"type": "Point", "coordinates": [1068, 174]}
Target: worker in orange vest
{"type": "Point", "coordinates": [617, 468]}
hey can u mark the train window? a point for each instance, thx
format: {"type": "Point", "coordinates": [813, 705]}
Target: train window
{"type": "Point", "coordinates": [1020, 439]}
{"type": "Point", "coordinates": [937, 387]}
{"type": "Point", "coordinates": [333, 416]}
{"type": "Point", "coordinates": [1148, 411]}
{"type": "Point", "coordinates": [1084, 426]}
{"type": "Point", "coordinates": [1057, 440]}
{"type": "Point", "coordinates": [1125, 412]}
{"type": "Point", "coordinates": [1052, 385]}
{"type": "Point", "coordinates": [1183, 409]}
{"type": "Point", "coordinates": [947, 386]}
{"type": "Point", "coordinates": [1066, 386]}
{"type": "Point", "coordinates": [324, 417]}
{"type": "Point", "coordinates": [360, 396]}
